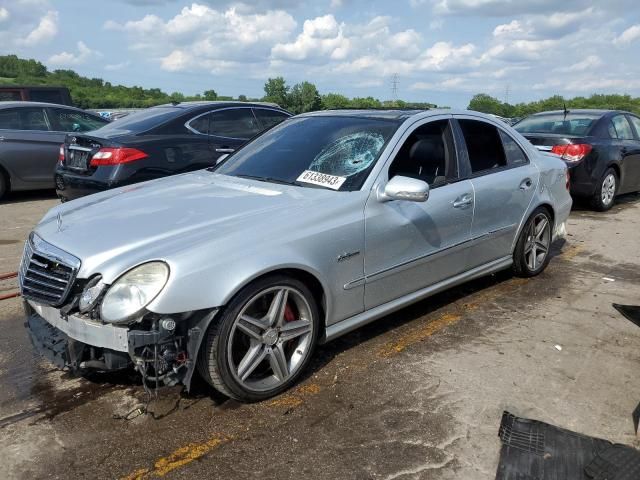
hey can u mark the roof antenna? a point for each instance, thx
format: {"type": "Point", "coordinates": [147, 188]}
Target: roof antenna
{"type": "Point", "coordinates": [566, 112]}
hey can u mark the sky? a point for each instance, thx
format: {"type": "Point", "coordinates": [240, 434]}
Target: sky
{"type": "Point", "coordinates": [439, 51]}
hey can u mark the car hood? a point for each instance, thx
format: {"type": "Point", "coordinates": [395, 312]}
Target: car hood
{"type": "Point", "coordinates": [163, 217]}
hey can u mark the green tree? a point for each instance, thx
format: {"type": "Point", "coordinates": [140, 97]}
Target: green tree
{"type": "Point", "coordinates": [276, 90]}
{"type": "Point", "coordinates": [210, 95]}
{"type": "Point", "coordinates": [304, 97]}
{"type": "Point", "coordinates": [332, 101]}
{"type": "Point", "coordinates": [242, 98]}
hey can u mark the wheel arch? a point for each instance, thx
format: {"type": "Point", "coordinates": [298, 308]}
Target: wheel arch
{"type": "Point", "coordinates": [544, 204]}
{"type": "Point", "coordinates": [7, 177]}
{"type": "Point", "coordinates": [310, 279]}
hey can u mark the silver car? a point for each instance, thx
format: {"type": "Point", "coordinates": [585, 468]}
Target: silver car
{"type": "Point", "coordinates": [323, 224]}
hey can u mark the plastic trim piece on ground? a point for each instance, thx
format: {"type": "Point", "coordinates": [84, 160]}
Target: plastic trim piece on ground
{"type": "Point", "coordinates": [534, 450]}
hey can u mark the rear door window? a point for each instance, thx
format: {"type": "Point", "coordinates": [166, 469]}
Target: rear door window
{"type": "Point", "coordinates": [622, 127]}
{"type": "Point", "coordinates": [34, 119]}
{"type": "Point", "coordinates": [233, 123]}
{"type": "Point", "coordinates": [67, 120]}
{"type": "Point", "coordinates": [269, 118]}
{"type": "Point", "coordinates": [484, 146]}
{"type": "Point", "coordinates": [10, 119]}
{"type": "Point", "coordinates": [513, 151]}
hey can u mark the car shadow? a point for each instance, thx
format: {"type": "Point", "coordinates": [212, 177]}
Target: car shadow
{"type": "Point", "coordinates": [28, 196]}
{"type": "Point", "coordinates": [582, 204]}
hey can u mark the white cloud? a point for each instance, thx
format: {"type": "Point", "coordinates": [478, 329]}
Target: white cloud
{"type": "Point", "coordinates": [4, 14]}
{"type": "Point", "coordinates": [320, 37]}
{"type": "Point", "coordinates": [507, 29]}
{"type": "Point", "coordinates": [454, 83]}
{"type": "Point", "coordinates": [630, 35]}
{"type": "Point", "coordinates": [112, 67]}
{"type": "Point", "coordinates": [589, 63]}
{"type": "Point", "coordinates": [46, 29]}
{"type": "Point", "coordinates": [83, 54]}
{"type": "Point", "coordinates": [200, 37]}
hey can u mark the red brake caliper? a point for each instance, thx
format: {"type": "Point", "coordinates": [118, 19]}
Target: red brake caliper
{"type": "Point", "coordinates": [289, 316]}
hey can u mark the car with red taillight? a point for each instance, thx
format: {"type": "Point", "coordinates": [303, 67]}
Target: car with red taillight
{"type": "Point", "coordinates": [600, 147]}
{"type": "Point", "coordinates": [158, 142]}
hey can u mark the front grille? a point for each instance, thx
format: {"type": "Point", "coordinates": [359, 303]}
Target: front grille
{"type": "Point", "coordinates": [46, 273]}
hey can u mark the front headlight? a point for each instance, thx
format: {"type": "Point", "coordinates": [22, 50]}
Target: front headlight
{"type": "Point", "coordinates": [133, 291]}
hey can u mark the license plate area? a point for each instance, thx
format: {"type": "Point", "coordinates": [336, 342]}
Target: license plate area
{"type": "Point", "coordinates": [77, 158]}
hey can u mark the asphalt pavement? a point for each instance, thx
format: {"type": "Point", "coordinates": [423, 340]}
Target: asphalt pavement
{"type": "Point", "coordinates": [416, 395]}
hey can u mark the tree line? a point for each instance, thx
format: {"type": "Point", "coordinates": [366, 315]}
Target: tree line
{"type": "Point", "coordinates": [301, 97]}
{"type": "Point", "coordinates": [488, 104]}
{"type": "Point", "coordinates": [97, 93]}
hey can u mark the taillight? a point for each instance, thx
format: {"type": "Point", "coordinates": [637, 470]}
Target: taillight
{"type": "Point", "coordinates": [116, 156]}
{"type": "Point", "coordinates": [572, 152]}
{"type": "Point", "coordinates": [61, 154]}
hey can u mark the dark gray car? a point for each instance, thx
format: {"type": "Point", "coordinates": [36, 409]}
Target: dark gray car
{"type": "Point", "coordinates": [30, 137]}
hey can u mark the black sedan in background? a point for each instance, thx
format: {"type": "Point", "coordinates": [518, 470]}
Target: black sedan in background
{"type": "Point", "coordinates": [30, 138]}
{"type": "Point", "coordinates": [157, 142]}
{"type": "Point", "coordinates": [601, 148]}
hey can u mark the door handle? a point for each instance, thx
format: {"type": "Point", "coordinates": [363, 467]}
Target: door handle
{"type": "Point", "coordinates": [526, 184]}
{"type": "Point", "coordinates": [463, 201]}
{"type": "Point", "coordinates": [225, 150]}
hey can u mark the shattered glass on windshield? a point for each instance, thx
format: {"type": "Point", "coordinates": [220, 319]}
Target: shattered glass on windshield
{"type": "Point", "coordinates": [349, 155]}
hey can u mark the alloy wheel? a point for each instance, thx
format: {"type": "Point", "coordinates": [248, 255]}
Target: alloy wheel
{"type": "Point", "coordinates": [270, 338]}
{"type": "Point", "coordinates": [538, 241]}
{"type": "Point", "coordinates": [608, 189]}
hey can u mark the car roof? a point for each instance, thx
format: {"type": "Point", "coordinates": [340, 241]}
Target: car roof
{"type": "Point", "coordinates": [389, 114]}
{"type": "Point", "coordinates": [218, 103]}
{"type": "Point", "coordinates": [25, 103]}
{"type": "Point", "coordinates": [588, 111]}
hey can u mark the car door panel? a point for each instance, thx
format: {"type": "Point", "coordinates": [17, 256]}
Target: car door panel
{"type": "Point", "coordinates": [501, 200]}
{"type": "Point", "coordinates": [503, 187]}
{"type": "Point", "coordinates": [412, 245]}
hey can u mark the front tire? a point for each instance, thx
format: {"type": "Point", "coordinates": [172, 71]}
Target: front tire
{"type": "Point", "coordinates": [262, 341]}
{"type": "Point", "coordinates": [605, 194]}
{"type": "Point", "coordinates": [531, 255]}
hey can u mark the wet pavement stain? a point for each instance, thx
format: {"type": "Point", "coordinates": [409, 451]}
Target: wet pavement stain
{"type": "Point", "coordinates": [9, 242]}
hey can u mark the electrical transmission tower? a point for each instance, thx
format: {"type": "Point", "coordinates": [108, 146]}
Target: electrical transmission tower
{"type": "Point", "coordinates": [394, 87]}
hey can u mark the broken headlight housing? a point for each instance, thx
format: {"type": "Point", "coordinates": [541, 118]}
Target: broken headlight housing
{"type": "Point", "coordinates": [133, 291]}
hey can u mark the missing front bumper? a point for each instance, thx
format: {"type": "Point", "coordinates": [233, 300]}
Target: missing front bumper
{"type": "Point", "coordinates": [78, 344]}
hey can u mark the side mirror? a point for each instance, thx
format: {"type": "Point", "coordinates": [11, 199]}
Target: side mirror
{"type": "Point", "coordinates": [404, 188]}
{"type": "Point", "coordinates": [221, 158]}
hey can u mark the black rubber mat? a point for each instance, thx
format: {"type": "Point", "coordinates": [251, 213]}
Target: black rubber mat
{"type": "Point", "coordinates": [630, 312]}
{"type": "Point", "coordinates": [534, 450]}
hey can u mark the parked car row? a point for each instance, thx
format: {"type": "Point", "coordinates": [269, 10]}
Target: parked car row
{"type": "Point", "coordinates": [326, 222]}
{"type": "Point", "coordinates": [148, 144]}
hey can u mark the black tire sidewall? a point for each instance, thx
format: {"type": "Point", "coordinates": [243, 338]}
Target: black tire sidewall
{"type": "Point", "coordinates": [597, 202]}
{"type": "Point", "coordinates": [228, 317]}
{"type": "Point", "coordinates": [4, 184]}
{"type": "Point", "coordinates": [520, 262]}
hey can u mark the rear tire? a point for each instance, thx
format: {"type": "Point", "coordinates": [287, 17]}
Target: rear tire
{"type": "Point", "coordinates": [605, 195]}
{"type": "Point", "coordinates": [263, 340]}
{"type": "Point", "coordinates": [531, 255]}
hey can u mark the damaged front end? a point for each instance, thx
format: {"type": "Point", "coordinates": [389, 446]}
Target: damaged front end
{"type": "Point", "coordinates": [66, 320]}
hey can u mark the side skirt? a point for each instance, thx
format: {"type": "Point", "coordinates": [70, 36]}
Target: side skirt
{"type": "Point", "coordinates": [345, 326]}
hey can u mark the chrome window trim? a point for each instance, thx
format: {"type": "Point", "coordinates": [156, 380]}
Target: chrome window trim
{"type": "Point", "coordinates": [193, 130]}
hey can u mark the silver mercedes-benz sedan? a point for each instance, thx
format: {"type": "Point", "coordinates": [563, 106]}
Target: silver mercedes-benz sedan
{"type": "Point", "coordinates": [324, 223]}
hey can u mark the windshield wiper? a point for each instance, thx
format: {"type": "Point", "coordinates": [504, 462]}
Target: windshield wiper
{"type": "Point", "coordinates": [267, 179]}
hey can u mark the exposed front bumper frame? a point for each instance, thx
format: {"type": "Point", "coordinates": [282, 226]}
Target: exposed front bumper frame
{"type": "Point", "coordinates": [83, 330]}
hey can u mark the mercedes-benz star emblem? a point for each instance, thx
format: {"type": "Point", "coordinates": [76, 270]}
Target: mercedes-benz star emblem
{"type": "Point", "coordinates": [59, 218]}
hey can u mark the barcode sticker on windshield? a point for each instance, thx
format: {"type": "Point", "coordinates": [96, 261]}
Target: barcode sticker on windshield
{"type": "Point", "coordinates": [323, 179]}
